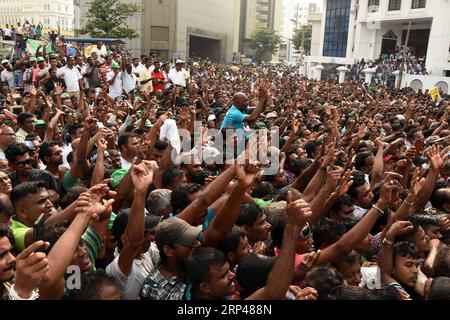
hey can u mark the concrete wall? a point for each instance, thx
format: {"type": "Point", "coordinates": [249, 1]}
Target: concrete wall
{"type": "Point", "coordinates": [209, 18]}
{"type": "Point", "coordinates": [426, 82]}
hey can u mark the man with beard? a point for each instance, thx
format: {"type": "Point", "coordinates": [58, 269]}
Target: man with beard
{"type": "Point", "coordinates": [51, 156]}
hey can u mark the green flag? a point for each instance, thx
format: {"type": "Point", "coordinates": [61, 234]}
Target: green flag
{"type": "Point", "coordinates": [32, 46]}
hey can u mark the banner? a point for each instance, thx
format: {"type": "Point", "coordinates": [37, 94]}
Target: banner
{"type": "Point", "coordinates": [32, 46]}
{"type": "Point", "coordinates": [434, 94]}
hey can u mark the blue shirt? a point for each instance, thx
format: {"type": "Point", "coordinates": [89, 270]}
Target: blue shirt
{"type": "Point", "coordinates": [234, 118]}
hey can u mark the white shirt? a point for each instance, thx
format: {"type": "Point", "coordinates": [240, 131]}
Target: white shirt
{"type": "Point", "coordinates": [125, 163]}
{"type": "Point", "coordinates": [179, 77]}
{"type": "Point", "coordinates": [101, 52]}
{"type": "Point", "coordinates": [8, 32]}
{"type": "Point", "coordinates": [360, 212]}
{"type": "Point", "coordinates": [65, 152]}
{"type": "Point", "coordinates": [71, 78]}
{"type": "Point", "coordinates": [130, 81]}
{"type": "Point", "coordinates": [9, 77]}
{"type": "Point", "coordinates": [140, 67]}
{"type": "Point", "coordinates": [115, 89]}
{"type": "Point", "coordinates": [132, 285]}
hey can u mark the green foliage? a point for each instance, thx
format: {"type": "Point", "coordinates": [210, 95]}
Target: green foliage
{"type": "Point", "coordinates": [304, 32]}
{"type": "Point", "coordinates": [107, 19]}
{"type": "Point", "coordinates": [265, 41]}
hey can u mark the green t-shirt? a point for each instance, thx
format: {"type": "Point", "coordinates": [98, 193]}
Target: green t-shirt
{"type": "Point", "coordinates": [69, 182]}
{"type": "Point", "coordinates": [19, 230]}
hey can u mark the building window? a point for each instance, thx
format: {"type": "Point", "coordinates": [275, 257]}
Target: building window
{"type": "Point", "coordinates": [336, 28]}
{"type": "Point", "coordinates": [417, 4]}
{"type": "Point", "coordinates": [395, 5]}
{"type": "Point", "coordinates": [373, 5]}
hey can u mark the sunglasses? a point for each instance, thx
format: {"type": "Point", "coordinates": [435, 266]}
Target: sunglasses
{"type": "Point", "coordinates": [306, 232]}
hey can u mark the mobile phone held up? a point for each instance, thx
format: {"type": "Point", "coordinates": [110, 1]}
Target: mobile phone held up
{"type": "Point", "coordinates": [39, 230]}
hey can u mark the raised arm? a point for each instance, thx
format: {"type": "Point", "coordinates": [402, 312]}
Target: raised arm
{"type": "Point", "coordinates": [378, 164]}
{"type": "Point", "coordinates": [262, 104]}
{"type": "Point", "coordinates": [282, 272]}
{"type": "Point", "coordinates": [210, 194]}
{"type": "Point", "coordinates": [142, 177]}
{"type": "Point", "coordinates": [226, 217]}
{"type": "Point", "coordinates": [81, 163]}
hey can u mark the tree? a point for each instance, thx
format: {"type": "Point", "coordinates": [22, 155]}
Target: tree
{"type": "Point", "coordinates": [302, 35]}
{"type": "Point", "coordinates": [107, 19]}
{"type": "Point", "coordinates": [264, 42]}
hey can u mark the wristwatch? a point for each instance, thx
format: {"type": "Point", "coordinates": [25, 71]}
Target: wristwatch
{"type": "Point", "coordinates": [386, 242]}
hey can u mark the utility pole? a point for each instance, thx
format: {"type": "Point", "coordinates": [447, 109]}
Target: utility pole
{"type": "Point", "coordinates": [402, 66]}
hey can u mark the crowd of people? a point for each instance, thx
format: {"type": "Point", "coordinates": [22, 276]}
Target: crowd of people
{"type": "Point", "coordinates": [386, 65]}
{"type": "Point", "coordinates": [99, 201]}
{"type": "Point", "coordinates": [13, 32]}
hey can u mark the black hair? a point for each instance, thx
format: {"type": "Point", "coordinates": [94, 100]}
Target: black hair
{"type": "Point", "coordinates": [360, 159]}
{"type": "Point", "coordinates": [441, 266]}
{"type": "Point", "coordinates": [45, 150]}
{"type": "Point", "coordinates": [439, 289]}
{"type": "Point", "coordinates": [5, 231]}
{"type": "Point", "coordinates": [311, 148]}
{"type": "Point", "coordinates": [21, 118]}
{"type": "Point", "coordinates": [327, 231]}
{"type": "Point", "coordinates": [359, 180]}
{"type": "Point", "coordinates": [345, 200]}
{"type": "Point", "coordinates": [231, 241]}
{"type": "Point", "coordinates": [180, 196]}
{"type": "Point", "coordinates": [123, 139]}
{"type": "Point", "coordinates": [349, 259]}
{"type": "Point", "coordinates": [352, 293]}
{"type": "Point", "coordinates": [170, 175]}
{"type": "Point", "coordinates": [424, 220]}
{"type": "Point", "coordinates": [264, 190]}
{"type": "Point", "coordinates": [324, 279]}
{"type": "Point", "coordinates": [198, 266]}
{"type": "Point", "coordinates": [72, 130]}
{"type": "Point", "coordinates": [439, 198]}
{"type": "Point", "coordinates": [276, 234]}
{"type": "Point", "coordinates": [91, 285]}
{"type": "Point", "coordinates": [200, 177]}
{"type": "Point", "coordinates": [15, 150]}
{"type": "Point", "coordinates": [249, 215]}
{"type": "Point", "coordinates": [24, 189]}
{"type": "Point", "coordinates": [405, 249]}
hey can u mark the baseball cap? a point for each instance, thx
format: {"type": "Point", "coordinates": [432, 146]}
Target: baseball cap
{"type": "Point", "coordinates": [179, 61]}
{"type": "Point", "coordinates": [30, 145]}
{"type": "Point", "coordinates": [429, 141]}
{"type": "Point", "coordinates": [65, 95]}
{"type": "Point", "coordinates": [118, 176]}
{"type": "Point", "coordinates": [400, 117]}
{"type": "Point", "coordinates": [39, 122]}
{"type": "Point", "coordinates": [260, 125]}
{"type": "Point", "coordinates": [40, 59]}
{"type": "Point", "coordinates": [115, 65]}
{"type": "Point", "coordinates": [175, 231]}
{"type": "Point", "coordinates": [210, 153]}
{"type": "Point", "coordinates": [271, 115]}
{"type": "Point", "coordinates": [212, 117]}
{"type": "Point", "coordinates": [5, 61]}
{"type": "Point", "coordinates": [379, 117]}
{"type": "Point", "coordinates": [121, 220]}
{"type": "Point", "coordinates": [32, 59]}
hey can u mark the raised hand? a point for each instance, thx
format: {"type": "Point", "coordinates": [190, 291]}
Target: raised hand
{"type": "Point", "coordinates": [142, 175]}
{"type": "Point", "coordinates": [246, 173]}
{"type": "Point", "coordinates": [388, 188]}
{"type": "Point", "coordinates": [308, 262]}
{"type": "Point", "coordinates": [102, 145]}
{"type": "Point", "coordinates": [31, 266]}
{"type": "Point", "coordinates": [307, 293]}
{"type": "Point", "coordinates": [90, 123]}
{"type": "Point", "coordinates": [398, 228]}
{"type": "Point", "coordinates": [298, 211]}
{"type": "Point", "coordinates": [92, 202]}
{"type": "Point", "coordinates": [33, 90]}
{"type": "Point", "coordinates": [437, 161]}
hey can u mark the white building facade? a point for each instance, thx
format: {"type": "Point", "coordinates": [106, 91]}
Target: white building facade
{"type": "Point", "coordinates": [350, 30]}
{"type": "Point", "coordinates": [49, 13]}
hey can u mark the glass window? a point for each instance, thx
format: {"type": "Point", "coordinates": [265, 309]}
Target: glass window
{"type": "Point", "coordinates": [417, 4]}
{"type": "Point", "coordinates": [395, 5]}
{"type": "Point", "coordinates": [373, 5]}
{"type": "Point", "coordinates": [336, 28]}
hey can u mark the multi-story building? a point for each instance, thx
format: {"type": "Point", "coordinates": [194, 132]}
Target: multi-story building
{"type": "Point", "coordinates": [50, 13]}
{"type": "Point", "coordinates": [258, 14]}
{"type": "Point", "coordinates": [355, 29]}
{"type": "Point", "coordinates": [179, 28]}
